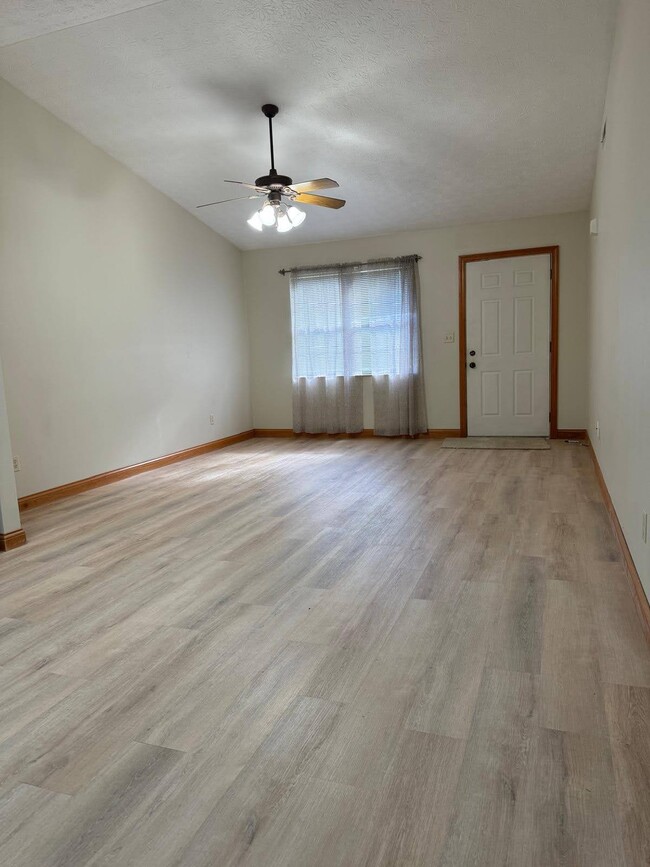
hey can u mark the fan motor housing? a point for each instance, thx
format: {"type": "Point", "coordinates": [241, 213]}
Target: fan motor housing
{"type": "Point", "coordinates": [274, 181]}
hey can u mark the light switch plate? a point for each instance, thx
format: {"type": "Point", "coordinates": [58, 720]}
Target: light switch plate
{"type": "Point", "coordinates": [450, 337]}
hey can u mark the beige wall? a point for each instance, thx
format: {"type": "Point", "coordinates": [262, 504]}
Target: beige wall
{"type": "Point", "coordinates": [620, 283]}
{"type": "Point", "coordinates": [122, 317]}
{"type": "Point", "coordinates": [270, 327]}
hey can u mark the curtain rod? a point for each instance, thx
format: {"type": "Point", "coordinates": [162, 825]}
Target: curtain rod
{"type": "Point", "coordinates": [284, 271]}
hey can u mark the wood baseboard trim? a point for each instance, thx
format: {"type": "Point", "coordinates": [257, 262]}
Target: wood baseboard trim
{"type": "Point", "coordinates": [274, 432]}
{"type": "Point", "coordinates": [570, 434]}
{"type": "Point", "coordinates": [441, 433]}
{"type": "Point", "coordinates": [640, 599]}
{"type": "Point", "coordinates": [9, 541]}
{"type": "Point", "coordinates": [31, 501]}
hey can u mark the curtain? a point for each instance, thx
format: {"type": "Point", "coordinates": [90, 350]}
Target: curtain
{"type": "Point", "coordinates": [327, 395]}
{"type": "Point", "coordinates": [398, 381]}
{"type": "Point", "coordinates": [349, 321]}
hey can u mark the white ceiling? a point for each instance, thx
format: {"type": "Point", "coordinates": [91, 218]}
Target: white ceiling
{"type": "Point", "coordinates": [427, 113]}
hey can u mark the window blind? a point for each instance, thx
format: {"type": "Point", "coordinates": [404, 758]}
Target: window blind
{"type": "Point", "coordinates": [349, 320]}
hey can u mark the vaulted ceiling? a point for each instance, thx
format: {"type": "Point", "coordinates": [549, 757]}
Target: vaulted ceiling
{"type": "Point", "coordinates": [427, 113]}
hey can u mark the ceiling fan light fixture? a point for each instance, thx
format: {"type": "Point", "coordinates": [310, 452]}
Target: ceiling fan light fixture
{"type": "Point", "coordinates": [267, 214]}
{"type": "Point", "coordinates": [255, 222]}
{"type": "Point", "coordinates": [296, 215]}
{"type": "Point", "coordinates": [276, 213]}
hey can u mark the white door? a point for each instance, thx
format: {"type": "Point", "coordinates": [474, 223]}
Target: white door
{"type": "Point", "coordinates": [508, 303]}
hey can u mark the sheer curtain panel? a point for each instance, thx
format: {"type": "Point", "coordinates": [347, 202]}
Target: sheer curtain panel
{"type": "Point", "coordinates": [396, 352]}
{"type": "Point", "coordinates": [327, 396]}
{"type": "Point", "coordinates": [351, 321]}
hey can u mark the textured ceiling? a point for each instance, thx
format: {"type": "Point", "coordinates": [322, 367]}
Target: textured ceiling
{"type": "Point", "coordinates": [427, 113]}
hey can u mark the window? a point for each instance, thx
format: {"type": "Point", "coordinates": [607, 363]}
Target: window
{"type": "Point", "coordinates": [317, 318]}
{"type": "Point", "coordinates": [349, 320]}
{"type": "Point", "coordinates": [352, 320]}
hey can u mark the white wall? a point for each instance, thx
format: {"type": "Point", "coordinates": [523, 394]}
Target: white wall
{"type": "Point", "coordinates": [620, 283]}
{"type": "Point", "coordinates": [270, 326]}
{"type": "Point", "coordinates": [122, 317]}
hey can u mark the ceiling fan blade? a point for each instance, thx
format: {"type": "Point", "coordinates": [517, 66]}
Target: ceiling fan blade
{"type": "Point", "coordinates": [318, 184]}
{"type": "Point", "coordinates": [222, 201]}
{"type": "Point", "coordinates": [242, 184]}
{"type": "Point", "coordinates": [323, 201]}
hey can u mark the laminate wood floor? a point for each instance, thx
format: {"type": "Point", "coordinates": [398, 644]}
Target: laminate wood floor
{"type": "Point", "coordinates": [313, 653]}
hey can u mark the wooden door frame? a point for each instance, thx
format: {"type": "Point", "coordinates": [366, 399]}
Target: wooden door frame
{"type": "Point", "coordinates": [553, 253]}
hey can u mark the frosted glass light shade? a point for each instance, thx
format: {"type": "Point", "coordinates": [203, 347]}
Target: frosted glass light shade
{"type": "Point", "coordinates": [296, 215]}
{"type": "Point", "coordinates": [284, 223]}
{"type": "Point", "coordinates": [267, 214]}
{"type": "Point", "coordinates": [255, 222]}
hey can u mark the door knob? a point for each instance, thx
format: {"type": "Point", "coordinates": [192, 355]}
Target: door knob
{"type": "Point", "coordinates": [472, 364]}
{"type": "Point", "coordinates": [472, 352]}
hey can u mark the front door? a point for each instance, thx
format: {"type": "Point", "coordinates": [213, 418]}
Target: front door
{"type": "Point", "coordinates": [508, 303]}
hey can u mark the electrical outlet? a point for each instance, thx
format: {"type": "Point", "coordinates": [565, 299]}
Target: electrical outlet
{"type": "Point", "coordinates": [644, 527]}
{"type": "Point", "coordinates": [450, 337]}
{"type": "Point", "coordinates": [211, 419]}
{"type": "Point", "coordinates": [597, 430]}
{"type": "Point", "coordinates": [16, 464]}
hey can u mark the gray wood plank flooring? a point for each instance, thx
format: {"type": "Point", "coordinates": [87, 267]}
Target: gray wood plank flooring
{"type": "Point", "coordinates": [313, 653]}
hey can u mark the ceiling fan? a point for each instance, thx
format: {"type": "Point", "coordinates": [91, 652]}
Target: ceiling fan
{"type": "Point", "coordinates": [274, 187]}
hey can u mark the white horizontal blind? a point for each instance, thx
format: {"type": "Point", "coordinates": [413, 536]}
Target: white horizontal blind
{"type": "Point", "coordinates": [376, 300]}
{"type": "Point", "coordinates": [348, 320]}
{"type": "Point", "coordinates": [317, 324]}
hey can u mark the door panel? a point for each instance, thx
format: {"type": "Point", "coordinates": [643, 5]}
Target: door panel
{"type": "Point", "coordinates": [491, 327]}
{"type": "Point", "coordinates": [508, 308]}
{"type": "Point", "coordinates": [524, 390]}
{"type": "Point", "coordinates": [524, 325]}
{"type": "Point", "coordinates": [490, 392]}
